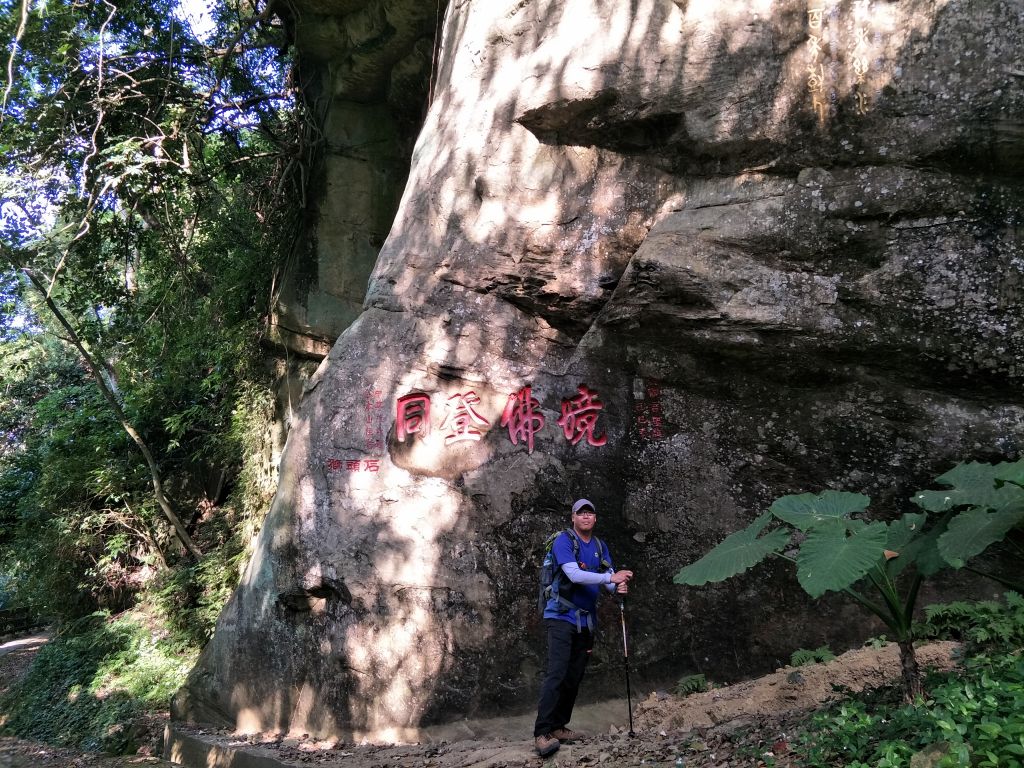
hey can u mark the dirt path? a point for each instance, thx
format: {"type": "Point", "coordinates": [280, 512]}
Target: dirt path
{"type": "Point", "coordinates": [16, 655]}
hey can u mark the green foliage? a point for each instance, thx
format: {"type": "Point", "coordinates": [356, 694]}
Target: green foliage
{"type": "Point", "coordinates": [92, 680]}
{"type": "Point", "coordinates": [974, 710]}
{"type": "Point", "coordinates": [802, 656]}
{"type": "Point", "coordinates": [155, 213]}
{"type": "Point", "coordinates": [190, 598]}
{"type": "Point", "coordinates": [691, 684]}
{"type": "Point", "coordinates": [832, 557]}
{"type": "Point", "coordinates": [971, 484]}
{"type": "Point", "coordinates": [983, 624]}
{"type": "Point", "coordinates": [834, 551]}
{"type": "Point", "coordinates": [994, 498]}
{"type": "Point", "coordinates": [807, 511]}
{"type": "Point", "coordinates": [145, 218]}
{"type": "Point", "coordinates": [736, 554]}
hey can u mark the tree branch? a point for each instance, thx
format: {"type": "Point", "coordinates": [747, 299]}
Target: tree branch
{"type": "Point", "coordinates": [10, 60]}
{"type": "Point", "coordinates": [97, 372]}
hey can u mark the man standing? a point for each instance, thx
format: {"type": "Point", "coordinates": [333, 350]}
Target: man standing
{"type": "Point", "coordinates": [583, 568]}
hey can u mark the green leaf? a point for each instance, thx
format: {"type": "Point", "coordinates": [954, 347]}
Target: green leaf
{"type": "Point", "coordinates": [903, 538]}
{"type": "Point", "coordinates": [1013, 473]}
{"type": "Point", "coordinates": [970, 533]}
{"type": "Point", "coordinates": [807, 510]}
{"type": "Point", "coordinates": [972, 484]}
{"type": "Point", "coordinates": [735, 554]}
{"type": "Point", "coordinates": [922, 552]}
{"type": "Point", "coordinates": [831, 560]}
{"type": "Point", "coordinates": [906, 529]}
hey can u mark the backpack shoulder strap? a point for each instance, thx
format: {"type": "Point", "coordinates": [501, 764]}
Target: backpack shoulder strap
{"type": "Point", "coordinates": [575, 543]}
{"type": "Point", "coordinates": [602, 553]}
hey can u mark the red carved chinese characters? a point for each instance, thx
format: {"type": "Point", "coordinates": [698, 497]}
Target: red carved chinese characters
{"type": "Point", "coordinates": [353, 465]}
{"type": "Point", "coordinates": [648, 413]}
{"type": "Point", "coordinates": [579, 417]}
{"type": "Point", "coordinates": [412, 416]}
{"type": "Point", "coordinates": [462, 420]}
{"type": "Point", "coordinates": [523, 418]}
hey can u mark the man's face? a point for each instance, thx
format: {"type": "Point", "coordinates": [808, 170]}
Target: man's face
{"type": "Point", "coordinates": [584, 520]}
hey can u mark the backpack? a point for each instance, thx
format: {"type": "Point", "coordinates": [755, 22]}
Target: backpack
{"type": "Point", "coordinates": [551, 578]}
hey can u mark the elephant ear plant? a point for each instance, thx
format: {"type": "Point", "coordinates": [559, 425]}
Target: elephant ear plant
{"type": "Point", "coordinates": [881, 565]}
{"type": "Point", "coordinates": [994, 499]}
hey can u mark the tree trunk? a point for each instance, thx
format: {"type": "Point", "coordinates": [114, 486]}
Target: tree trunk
{"type": "Point", "coordinates": [97, 372]}
{"type": "Point", "coordinates": [912, 687]}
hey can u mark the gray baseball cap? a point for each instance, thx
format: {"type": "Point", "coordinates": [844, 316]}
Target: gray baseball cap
{"type": "Point", "coordinates": [581, 504]}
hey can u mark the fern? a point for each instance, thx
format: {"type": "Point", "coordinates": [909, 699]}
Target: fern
{"type": "Point", "coordinates": [802, 656]}
{"type": "Point", "coordinates": [691, 684]}
{"type": "Point", "coordinates": [983, 623]}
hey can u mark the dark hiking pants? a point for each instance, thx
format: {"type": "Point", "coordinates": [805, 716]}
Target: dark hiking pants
{"type": "Point", "coordinates": [568, 654]}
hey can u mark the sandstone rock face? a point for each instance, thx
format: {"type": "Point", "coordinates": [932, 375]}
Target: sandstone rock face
{"type": "Point", "coordinates": [737, 249]}
{"type": "Point", "coordinates": [365, 72]}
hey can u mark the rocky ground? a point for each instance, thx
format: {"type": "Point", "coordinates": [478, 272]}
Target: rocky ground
{"type": "Point", "coordinates": [739, 725]}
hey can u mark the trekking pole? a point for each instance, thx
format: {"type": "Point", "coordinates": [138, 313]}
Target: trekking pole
{"type": "Point", "coordinates": [625, 656]}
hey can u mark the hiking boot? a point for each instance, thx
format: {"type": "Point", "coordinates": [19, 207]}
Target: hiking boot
{"type": "Point", "coordinates": [567, 735]}
{"type": "Point", "coordinates": [546, 745]}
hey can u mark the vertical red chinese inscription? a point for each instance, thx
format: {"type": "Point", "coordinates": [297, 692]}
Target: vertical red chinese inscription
{"type": "Point", "coordinates": [648, 412]}
{"type": "Point", "coordinates": [579, 417]}
{"type": "Point", "coordinates": [462, 420]}
{"type": "Point", "coordinates": [523, 418]}
{"type": "Point", "coordinates": [412, 416]}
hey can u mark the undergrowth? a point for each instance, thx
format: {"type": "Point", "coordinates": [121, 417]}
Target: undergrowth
{"type": "Point", "coordinates": [978, 624]}
{"type": "Point", "coordinates": [972, 716]}
{"type": "Point", "coordinates": [88, 686]}
{"type": "Point", "coordinates": [691, 684]}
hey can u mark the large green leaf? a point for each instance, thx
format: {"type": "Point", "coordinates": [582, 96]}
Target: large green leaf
{"type": "Point", "coordinates": [831, 560]}
{"type": "Point", "coordinates": [920, 544]}
{"type": "Point", "coordinates": [970, 533]}
{"type": "Point", "coordinates": [906, 529]}
{"type": "Point", "coordinates": [1013, 473]}
{"type": "Point", "coordinates": [901, 541]}
{"type": "Point", "coordinates": [807, 510]}
{"type": "Point", "coordinates": [972, 484]}
{"type": "Point", "coordinates": [735, 554]}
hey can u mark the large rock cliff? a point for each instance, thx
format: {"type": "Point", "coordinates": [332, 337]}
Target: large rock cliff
{"type": "Point", "coordinates": [720, 251]}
